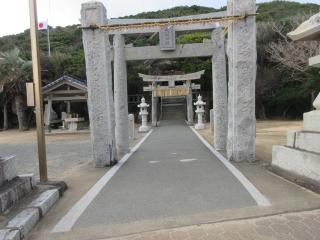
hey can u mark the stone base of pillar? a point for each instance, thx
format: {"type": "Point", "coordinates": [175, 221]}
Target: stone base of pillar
{"type": "Point", "coordinates": [144, 129]}
{"type": "Point", "coordinates": [189, 123]}
{"type": "Point", "coordinates": [199, 126]}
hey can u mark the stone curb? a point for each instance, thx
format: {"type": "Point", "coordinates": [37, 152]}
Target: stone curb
{"type": "Point", "coordinates": [18, 227]}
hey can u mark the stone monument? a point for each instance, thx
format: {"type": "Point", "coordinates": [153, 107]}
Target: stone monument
{"type": "Point", "coordinates": [300, 158]}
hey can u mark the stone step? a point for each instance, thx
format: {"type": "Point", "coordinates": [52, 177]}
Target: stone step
{"type": "Point", "coordinates": [7, 169]}
{"type": "Point", "coordinates": [13, 191]}
{"type": "Point", "coordinates": [300, 164]}
{"type": "Point", "coordinates": [309, 141]}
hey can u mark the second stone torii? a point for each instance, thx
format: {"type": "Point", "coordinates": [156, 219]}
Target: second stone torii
{"type": "Point", "coordinates": [169, 88]}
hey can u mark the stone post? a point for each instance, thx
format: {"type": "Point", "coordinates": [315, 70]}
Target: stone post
{"type": "Point", "coordinates": [154, 113]}
{"type": "Point", "coordinates": [68, 107]}
{"type": "Point", "coordinates": [219, 90]}
{"type": "Point", "coordinates": [211, 120]}
{"type": "Point", "coordinates": [242, 55]}
{"type": "Point", "coordinates": [132, 131]}
{"type": "Point", "coordinates": [190, 108]}
{"type": "Point", "coordinates": [47, 111]}
{"type": "Point", "coordinates": [99, 76]}
{"type": "Point", "coordinates": [120, 96]}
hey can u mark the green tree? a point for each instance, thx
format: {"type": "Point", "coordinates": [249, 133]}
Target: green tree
{"type": "Point", "coordinates": [14, 72]}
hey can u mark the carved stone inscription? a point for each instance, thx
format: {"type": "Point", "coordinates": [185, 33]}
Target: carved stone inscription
{"type": "Point", "coordinates": [167, 39]}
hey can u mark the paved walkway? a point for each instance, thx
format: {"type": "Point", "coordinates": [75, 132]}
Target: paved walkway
{"type": "Point", "coordinates": [173, 174]}
{"type": "Point", "coordinates": [292, 226]}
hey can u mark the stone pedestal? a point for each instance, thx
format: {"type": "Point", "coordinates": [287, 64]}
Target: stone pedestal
{"type": "Point", "coordinates": [311, 121]}
{"type": "Point", "coordinates": [300, 158]}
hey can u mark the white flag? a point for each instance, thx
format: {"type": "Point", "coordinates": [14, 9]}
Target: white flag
{"type": "Point", "coordinates": [43, 25]}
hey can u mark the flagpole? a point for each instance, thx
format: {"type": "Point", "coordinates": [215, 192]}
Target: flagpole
{"type": "Point", "coordinates": [48, 35]}
{"type": "Point", "coordinates": [38, 91]}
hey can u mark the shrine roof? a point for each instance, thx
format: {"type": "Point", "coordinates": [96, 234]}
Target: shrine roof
{"type": "Point", "coordinates": [65, 79]}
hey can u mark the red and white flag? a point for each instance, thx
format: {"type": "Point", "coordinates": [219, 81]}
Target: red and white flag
{"type": "Point", "coordinates": [43, 25]}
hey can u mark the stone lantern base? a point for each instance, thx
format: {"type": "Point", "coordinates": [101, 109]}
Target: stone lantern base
{"type": "Point", "coordinates": [144, 129]}
{"type": "Point", "coordinates": [199, 126]}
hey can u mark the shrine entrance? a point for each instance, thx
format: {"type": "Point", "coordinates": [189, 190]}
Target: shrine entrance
{"type": "Point", "coordinates": [233, 104]}
{"type": "Point", "coordinates": [172, 95]}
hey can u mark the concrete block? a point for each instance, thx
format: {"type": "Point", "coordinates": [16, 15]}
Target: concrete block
{"type": "Point", "coordinates": [311, 121]}
{"type": "Point", "coordinates": [13, 191]}
{"type": "Point", "coordinates": [291, 136]}
{"type": "Point", "coordinates": [25, 221]}
{"type": "Point", "coordinates": [45, 201]}
{"type": "Point", "coordinates": [7, 169]}
{"type": "Point", "coordinates": [308, 141]}
{"type": "Point", "coordinates": [9, 234]}
{"type": "Point", "coordinates": [30, 177]}
{"type": "Point", "coordinates": [298, 162]}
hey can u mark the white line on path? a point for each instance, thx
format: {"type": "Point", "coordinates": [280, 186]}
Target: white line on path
{"type": "Point", "coordinates": [188, 160]}
{"type": "Point", "coordinates": [68, 221]}
{"type": "Point", "coordinates": [152, 162]}
{"type": "Point", "coordinates": [260, 199]}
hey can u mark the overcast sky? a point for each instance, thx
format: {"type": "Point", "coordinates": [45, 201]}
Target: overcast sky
{"type": "Point", "coordinates": [14, 14]}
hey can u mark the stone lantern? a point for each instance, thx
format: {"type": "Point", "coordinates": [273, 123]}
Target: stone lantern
{"type": "Point", "coordinates": [200, 112]}
{"type": "Point", "coordinates": [144, 115]}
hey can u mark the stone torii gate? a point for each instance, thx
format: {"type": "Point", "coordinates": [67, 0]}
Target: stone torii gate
{"type": "Point", "coordinates": [234, 109]}
{"type": "Point", "coordinates": [171, 89]}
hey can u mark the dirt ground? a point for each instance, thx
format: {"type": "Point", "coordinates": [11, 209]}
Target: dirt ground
{"type": "Point", "coordinates": [269, 133]}
{"type": "Point", "coordinates": [65, 151]}
{"type": "Point", "coordinates": [16, 137]}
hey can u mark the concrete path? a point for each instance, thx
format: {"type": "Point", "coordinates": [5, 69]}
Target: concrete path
{"type": "Point", "coordinates": [173, 174]}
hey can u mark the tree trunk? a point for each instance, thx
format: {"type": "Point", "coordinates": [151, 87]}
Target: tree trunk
{"type": "Point", "coordinates": [5, 117]}
{"type": "Point", "coordinates": [21, 112]}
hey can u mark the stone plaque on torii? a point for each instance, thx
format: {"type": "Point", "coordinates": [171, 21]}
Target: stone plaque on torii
{"type": "Point", "coordinates": [171, 89]}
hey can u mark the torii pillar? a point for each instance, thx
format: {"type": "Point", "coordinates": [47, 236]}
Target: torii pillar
{"type": "Point", "coordinates": [242, 55]}
{"type": "Point", "coordinates": [120, 96]}
{"type": "Point", "coordinates": [99, 76]}
{"type": "Point", "coordinates": [154, 109]}
{"type": "Point", "coordinates": [219, 90]}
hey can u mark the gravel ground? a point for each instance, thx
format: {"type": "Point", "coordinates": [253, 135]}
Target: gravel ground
{"type": "Point", "coordinates": [63, 151]}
